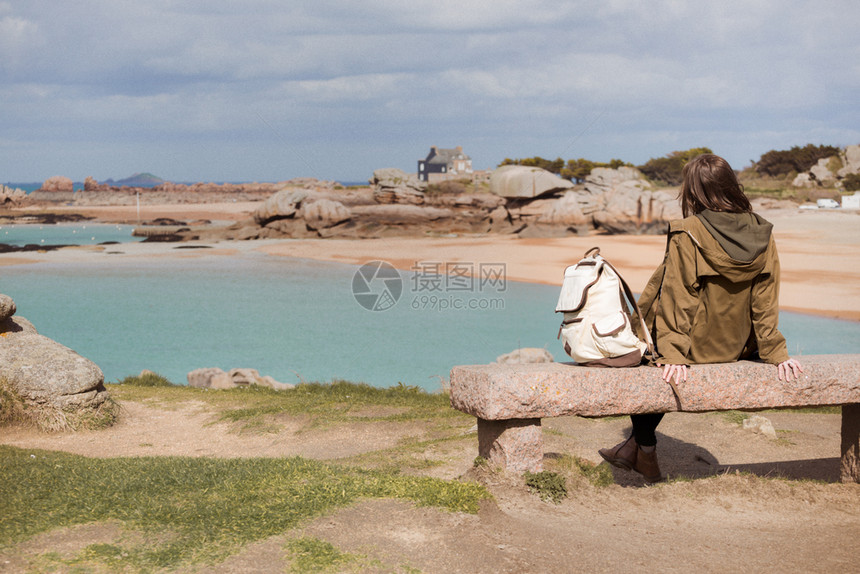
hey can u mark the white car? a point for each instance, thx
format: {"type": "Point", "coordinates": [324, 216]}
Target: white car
{"type": "Point", "coordinates": [827, 203]}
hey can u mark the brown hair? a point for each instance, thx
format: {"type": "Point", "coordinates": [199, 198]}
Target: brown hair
{"type": "Point", "coordinates": [711, 183]}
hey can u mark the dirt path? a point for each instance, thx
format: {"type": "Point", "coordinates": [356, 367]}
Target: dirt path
{"type": "Point", "coordinates": [730, 521]}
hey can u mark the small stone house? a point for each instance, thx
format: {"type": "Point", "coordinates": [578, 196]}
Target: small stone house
{"type": "Point", "coordinates": [441, 164]}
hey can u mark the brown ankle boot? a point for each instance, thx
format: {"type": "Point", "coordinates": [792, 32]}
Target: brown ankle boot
{"type": "Point", "coordinates": [622, 455]}
{"type": "Point", "coordinates": [646, 465]}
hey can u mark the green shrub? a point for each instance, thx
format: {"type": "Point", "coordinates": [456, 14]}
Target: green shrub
{"type": "Point", "coordinates": [548, 485]}
{"type": "Point", "coordinates": [798, 159]}
{"type": "Point", "coordinates": [578, 169]}
{"type": "Point", "coordinates": [147, 379]}
{"type": "Point", "coordinates": [574, 169]}
{"type": "Point", "coordinates": [835, 164]}
{"type": "Point", "coordinates": [667, 169]}
{"type": "Point", "coordinates": [551, 165]}
{"type": "Point", "coordinates": [851, 182]}
{"type": "Point", "coordinates": [597, 474]}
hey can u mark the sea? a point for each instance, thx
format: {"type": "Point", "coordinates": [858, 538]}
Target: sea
{"type": "Point", "coordinates": [297, 319]}
{"type": "Point", "coordinates": [30, 187]}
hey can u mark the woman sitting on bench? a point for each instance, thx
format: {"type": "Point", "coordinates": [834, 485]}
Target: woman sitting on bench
{"type": "Point", "coordinates": [714, 299]}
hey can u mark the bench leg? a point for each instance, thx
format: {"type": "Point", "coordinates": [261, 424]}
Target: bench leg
{"type": "Point", "coordinates": [850, 443]}
{"type": "Point", "coordinates": [514, 444]}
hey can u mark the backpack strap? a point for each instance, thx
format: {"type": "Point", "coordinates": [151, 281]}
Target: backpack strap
{"type": "Point", "coordinates": [648, 341]}
{"type": "Point", "coordinates": [628, 293]}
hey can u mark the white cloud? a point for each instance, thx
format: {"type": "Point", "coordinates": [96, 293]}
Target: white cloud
{"type": "Point", "coordinates": [507, 75]}
{"type": "Point", "coordinates": [350, 88]}
{"type": "Point", "coordinates": [15, 35]}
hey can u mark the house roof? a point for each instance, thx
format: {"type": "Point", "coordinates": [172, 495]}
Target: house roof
{"type": "Point", "coordinates": [445, 156]}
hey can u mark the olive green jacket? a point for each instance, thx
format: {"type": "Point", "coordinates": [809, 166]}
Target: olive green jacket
{"type": "Point", "coordinates": [704, 306]}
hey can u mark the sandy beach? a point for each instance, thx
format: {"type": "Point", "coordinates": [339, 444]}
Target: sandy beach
{"type": "Point", "coordinates": [819, 251]}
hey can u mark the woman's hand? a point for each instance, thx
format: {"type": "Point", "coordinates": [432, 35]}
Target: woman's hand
{"type": "Point", "coordinates": [786, 369]}
{"type": "Point", "coordinates": [677, 371]}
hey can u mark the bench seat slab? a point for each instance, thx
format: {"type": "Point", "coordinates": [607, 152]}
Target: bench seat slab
{"type": "Point", "coordinates": [500, 392]}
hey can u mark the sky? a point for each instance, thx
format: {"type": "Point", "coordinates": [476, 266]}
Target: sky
{"type": "Point", "coordinates": [269, 90]}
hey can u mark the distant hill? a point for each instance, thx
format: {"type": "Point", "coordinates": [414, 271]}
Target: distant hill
{"type": "Point", "coordinates": [137, 180]}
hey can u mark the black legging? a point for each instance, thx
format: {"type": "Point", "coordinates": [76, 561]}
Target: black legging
{"type": "Point", "coordinates": [644, 427]}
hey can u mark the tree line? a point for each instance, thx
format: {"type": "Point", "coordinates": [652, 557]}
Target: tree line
{"type": "Point", "coordinates": [667, 169]}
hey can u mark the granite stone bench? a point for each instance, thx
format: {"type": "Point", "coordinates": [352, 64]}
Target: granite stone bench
{"type": "Point", "coordinates": [510, 400]}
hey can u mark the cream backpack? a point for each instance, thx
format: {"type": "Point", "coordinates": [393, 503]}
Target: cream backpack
{"type": "Point", "coordinates": [597, 329]}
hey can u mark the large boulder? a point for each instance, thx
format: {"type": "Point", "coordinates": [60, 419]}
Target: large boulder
{"type": "Point", "coordinates": [90, 184]}
{"type": "Point", "coordinates": [518, 181]}
{"type": "Point", "coordinates": [392, 185]}
{"type": "Point", "coordinates": [324, 213]}
{"type": "Point", "coordinates": [210, 378]}
{"type": "Point", "coordinates": [7, 307]}
{"type": "Point", "coordinates": [284, 204]}
{"type": "Point", "coordinates": [402, 214]}
{"type": "Point", "coordinates": [215, 378]}
{"type": "Point", "coordinates": [803, 179]}
{"type": "Point", "coordinates": [43, 371]}
{"type": "Point", "coordinates": [850, 161]}
{"type": "Point", "coordinates": [605, 178]}
{"type": "Point", "coordinates": [821, 171]}
{"type": "Point", "coordinates": [9, 195]}
{"type": "Point", "coordinates": [617, 201]}
{"type": "Point", "coordinates": [16, 324]}
{"type": "Point", "coordinates": [45, 375]}
{"type": "Point", "coordinates": [393, 177]}
{"type": "Point", "coordinates": [567, 211]}
{"type": "Point", "coordinates": [630, 209]}
{"type": "Point", "coordinates": [58, 183]}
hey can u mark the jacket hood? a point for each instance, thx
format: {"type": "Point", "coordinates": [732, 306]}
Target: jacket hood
{"type": "Point", "coordinates": [743, 236]}
{"type": "Point", "coordinates": [734, 245]}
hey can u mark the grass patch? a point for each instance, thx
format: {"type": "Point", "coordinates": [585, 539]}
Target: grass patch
{"type": "Point", "coordinates": [257, 408]}
{"type": "Point", "coordinates": [831, 410]}
{"type": "Point", "coordinates": [598, 475]}
{"type": "Point", "coordinates": [734, 417]}
{"type": "Point", "coordinates": [12, 408]}
{"type": "Point", "coordinates": [101, 418]}
{"type": "Point", "coordinates": [192, 510]}
{"type": "Point", "coordinates": [315, 555]}
{"type": "Point", "coordinates": [147, 379]}
{"type": "Point", "coordinates": [410, 454]}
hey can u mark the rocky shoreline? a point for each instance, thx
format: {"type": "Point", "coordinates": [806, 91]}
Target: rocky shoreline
{"type": "Point", "coordinates": [517, 200]}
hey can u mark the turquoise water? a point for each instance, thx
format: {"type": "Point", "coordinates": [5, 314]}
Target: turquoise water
{"type": "Point", "coordinates": [65, 234]}
{"type": "Point", "coordinates": [291, 319]}
{"type": "Point", "coordinates": [297, 319]}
